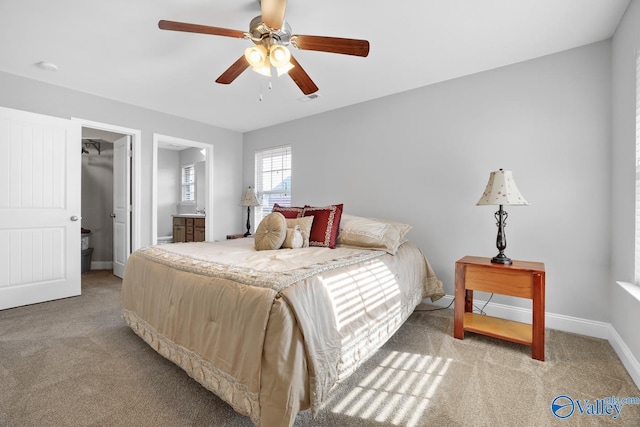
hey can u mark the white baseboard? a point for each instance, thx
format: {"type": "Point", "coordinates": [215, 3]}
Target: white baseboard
{"type": "Point", "coordinates": [626, 356]}
{"type": "Point", "coordinates": [564, 323]}
{"type": "Point", "coordinates": [101, 265]}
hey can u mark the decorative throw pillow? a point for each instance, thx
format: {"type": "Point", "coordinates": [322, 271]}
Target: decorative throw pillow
{"type": "Point", "coordinates": [271, 232]}
{"type": "Point", "coordinates": [326, 221]}
{"type": "Point", "coordinates": [288, 211]}
{"type": "Point", "coordinates": [293, 240]}
{"type": "Point", "coordinates": [371, 233]}
{"type": "Point", "coordinates": [304, 224]}
{"type": "Point", "coordinates": [401, 228]}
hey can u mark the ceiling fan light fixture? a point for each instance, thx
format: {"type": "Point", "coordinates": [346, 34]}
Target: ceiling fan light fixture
{"type": "Point", "coordinates": [285, 69]}
{"type": "Point", "coordinates": [265, 71]}
{"type": "Point", "coordinates": [256, 56]}
{"type": "Point", "coordinates": [264, 68]}
{"type": "Point", "coordinates": [279, 55]}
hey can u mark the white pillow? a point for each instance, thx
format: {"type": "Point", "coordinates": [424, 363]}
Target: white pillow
{"type": "Point", "coordinates": [371, 233]}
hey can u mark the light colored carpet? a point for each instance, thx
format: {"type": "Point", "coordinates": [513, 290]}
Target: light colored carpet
{"type": "Point", "coordinates": [74, 362]}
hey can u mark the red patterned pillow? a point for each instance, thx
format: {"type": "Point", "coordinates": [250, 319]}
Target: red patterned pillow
{"type": "Point", "coordinates": [326, 221]}
{"type": "Point", "coordinates": [289, 212]}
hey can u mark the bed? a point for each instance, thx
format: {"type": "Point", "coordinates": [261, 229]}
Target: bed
{"type": "Point", "coordinates": [271, 332]}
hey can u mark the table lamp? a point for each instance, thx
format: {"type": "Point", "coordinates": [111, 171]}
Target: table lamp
{"type": "Point", "coordinates": [501, 190]}
{"type": "Point", "coordinates": [249, 199]}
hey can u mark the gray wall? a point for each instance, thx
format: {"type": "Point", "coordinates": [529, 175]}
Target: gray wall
{"type": "Point", "coordinates": [625, 308]}
{"type": "Point", "coordinates": [30, 95]}
{"type": "Point", "coordinates": [423, 157]}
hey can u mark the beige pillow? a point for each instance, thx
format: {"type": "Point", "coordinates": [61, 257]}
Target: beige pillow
{"type": "Point", "coordinates": [271, 232]}
{"type": "Point", "coordinates": [305, 224]}
{"type": "Point", "coordinates": [371, 233]}
{"type": "Point", "coordinates": [293, 240]}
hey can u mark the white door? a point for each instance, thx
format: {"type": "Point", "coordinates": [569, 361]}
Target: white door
{"type": "Point", "coordinates": [39, 208]}
{"type": "Point", "coordinates": [121, 204]}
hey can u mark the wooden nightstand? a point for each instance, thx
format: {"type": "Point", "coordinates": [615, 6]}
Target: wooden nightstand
{"type": "Point", "coordinates": [520, 279]}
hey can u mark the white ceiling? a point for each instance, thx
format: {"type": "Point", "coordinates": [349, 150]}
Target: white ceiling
{"type": "Point", "coordinates": [114, 49]}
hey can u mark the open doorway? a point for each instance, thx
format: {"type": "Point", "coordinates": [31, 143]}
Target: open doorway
{"type": "Point", "coordinates": [110, 196]}
{"type": "Point", "coordinates": [97, 199]}
{"type": "Point", "coordinates": [170, 156]}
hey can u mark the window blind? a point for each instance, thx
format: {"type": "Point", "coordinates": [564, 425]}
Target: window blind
{"type": "Point", "coordinates": [273, 179]}
{"type": "Point", "coordinates": [637, 231]}
{"type": "Point", "coordinates": [188, 183]}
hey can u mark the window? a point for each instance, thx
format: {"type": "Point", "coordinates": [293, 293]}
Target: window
{"type": "Point", "coordinates": [273, 179]}
{"type": "Point", "coordinates": [188, 184]}
{"type": "Point", "coordinates": [637, 262]}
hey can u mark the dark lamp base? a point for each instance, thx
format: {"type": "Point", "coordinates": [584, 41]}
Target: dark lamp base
{"type": "Point", "coordinates": [247, 234]}
{"type": "Point", "coordinates": [501, 259]}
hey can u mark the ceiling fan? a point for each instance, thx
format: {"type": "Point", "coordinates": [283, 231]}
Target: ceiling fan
{"type": "Point", "coordinates": [271, 35]}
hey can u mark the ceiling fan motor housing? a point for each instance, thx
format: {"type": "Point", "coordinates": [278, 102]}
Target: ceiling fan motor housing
{"type": "Point", "coordinates": [262, 34]}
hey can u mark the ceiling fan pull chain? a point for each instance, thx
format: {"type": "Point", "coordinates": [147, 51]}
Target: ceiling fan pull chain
{"type": "Point", "coordinates": [269, 86]}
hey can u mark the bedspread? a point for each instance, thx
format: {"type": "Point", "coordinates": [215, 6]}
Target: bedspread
{"type": "Point", "coordinates": [271, 332]}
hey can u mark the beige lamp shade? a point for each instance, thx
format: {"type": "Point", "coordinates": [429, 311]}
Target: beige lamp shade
{"type": "Point", "coordinates": [501, 190]}
{"type": "Point", "coordinates": [250, 198]}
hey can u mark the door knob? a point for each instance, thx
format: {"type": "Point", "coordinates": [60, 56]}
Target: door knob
{"type": "Point", "coordinates": [112, 215]}
{"type": "Point", "coordinates": [74, 218]}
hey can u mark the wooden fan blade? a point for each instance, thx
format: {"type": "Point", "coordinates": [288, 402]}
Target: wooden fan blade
{"type": "Point", "coordinates": [273, 12]}
{"type": "Point", "coordinates": [301, 78]}
{"type": "Point", "coordinates": [331, 44]}
{"type": "Point", "coordinates": [195, 28]}
{"type": "Point", "coordinates": [233, 72]}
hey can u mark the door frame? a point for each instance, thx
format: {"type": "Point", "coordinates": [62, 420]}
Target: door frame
{"type": "Point", "coordinates": [134, 173]}
{"type": "Point", "coordinates": [157, 139]}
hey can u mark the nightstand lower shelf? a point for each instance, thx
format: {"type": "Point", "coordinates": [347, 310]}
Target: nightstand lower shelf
{"type": "Point", "coordinates": [508, 330]}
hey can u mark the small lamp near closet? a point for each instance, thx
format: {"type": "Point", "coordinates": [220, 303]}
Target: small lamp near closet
{"type": "Point", "coordinates": [501, 190]}
{"type": "Point", "coordinates": [249, 199]}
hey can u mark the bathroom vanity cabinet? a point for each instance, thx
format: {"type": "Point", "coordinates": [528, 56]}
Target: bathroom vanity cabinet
{"type": "Point", "coordinates": [188, 228]}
